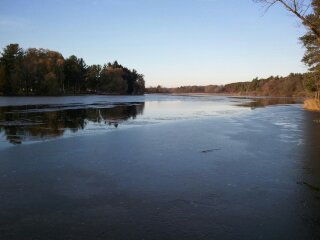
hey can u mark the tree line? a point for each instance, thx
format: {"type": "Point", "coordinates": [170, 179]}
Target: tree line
{"type": "Point", "coordinates": [45, 72]}
{"type": "Point", "coordinates": [295, 84]}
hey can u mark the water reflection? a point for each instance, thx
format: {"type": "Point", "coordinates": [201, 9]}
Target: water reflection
{"type": "Point", "coordinates": [34, 122]}
{"type": "Point", "coordinates": [257, 102]}
{"type": "Point", "coordinates": [39, 122]}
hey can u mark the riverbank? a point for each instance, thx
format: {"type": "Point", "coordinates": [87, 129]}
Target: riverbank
{"type": "Point", "coordinates": [312, 105]}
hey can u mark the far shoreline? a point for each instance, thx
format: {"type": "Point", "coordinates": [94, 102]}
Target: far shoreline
{"type": "Point", "coordinates": [309, 104]}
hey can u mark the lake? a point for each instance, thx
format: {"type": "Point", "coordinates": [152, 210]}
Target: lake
{"type": "Point", "coordinates": [158, 167]}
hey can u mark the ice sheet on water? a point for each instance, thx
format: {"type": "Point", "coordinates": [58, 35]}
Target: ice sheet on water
{"type": "Point", "coordinates": [26, 118]}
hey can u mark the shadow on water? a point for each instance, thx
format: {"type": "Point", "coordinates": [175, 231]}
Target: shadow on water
{"type": "Point", "coordinates": [260, 102]}
{"type": "Point", "coordinates": [310, 180]}
{"type": "Point", "coordinates": [312, 149]}
{"type": "Point", "coordinates": [40, 122]}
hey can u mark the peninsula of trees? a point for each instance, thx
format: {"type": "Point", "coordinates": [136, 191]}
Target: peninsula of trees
{"type": "Point", "coordinates": [35, 72]}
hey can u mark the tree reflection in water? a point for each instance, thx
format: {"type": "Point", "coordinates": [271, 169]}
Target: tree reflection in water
{"type": "Point", "coordinates": [30, 123]}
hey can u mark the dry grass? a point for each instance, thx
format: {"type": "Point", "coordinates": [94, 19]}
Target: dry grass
{"type": "Point", "coordinates": [312, 105]}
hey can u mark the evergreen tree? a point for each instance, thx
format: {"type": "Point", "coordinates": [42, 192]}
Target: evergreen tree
{"type": "Point", "coordinates": [10, 62]}
{"type": "Point", "coordinates": [312, 44]}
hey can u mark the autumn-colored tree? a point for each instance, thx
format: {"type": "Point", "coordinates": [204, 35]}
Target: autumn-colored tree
{"type": "Point", "coordinates": [42, 72]}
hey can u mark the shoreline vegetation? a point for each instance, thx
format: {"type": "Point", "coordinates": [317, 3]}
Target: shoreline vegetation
{"type": "Point", "coordinates": [43, 72]}
{"type": "Point", "coordinates": [294, 85]}
{"type": "Point", "coordinates": [312, 105]}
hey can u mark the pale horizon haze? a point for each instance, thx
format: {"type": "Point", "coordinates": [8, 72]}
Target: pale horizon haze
{"type": "Point", "coordinates": [171, 42]}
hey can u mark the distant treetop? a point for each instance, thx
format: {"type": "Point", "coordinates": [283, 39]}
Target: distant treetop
{"type": "Point", "coordinates": [45, 72]}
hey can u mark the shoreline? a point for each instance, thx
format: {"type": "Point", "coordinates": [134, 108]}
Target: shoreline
{"type": "Point", "coordinates": [312, 105]}
{"type": "Point", "coordinates": [251, 95]}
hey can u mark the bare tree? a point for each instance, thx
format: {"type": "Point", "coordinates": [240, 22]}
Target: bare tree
{"type": "Point", "coordinates": [308, 12]}
{"type": "Point", "coordinates": [299, 8]}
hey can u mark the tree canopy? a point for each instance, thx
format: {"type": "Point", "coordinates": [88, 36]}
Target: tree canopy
{"type": "Point", "coordinates": [45, 72]}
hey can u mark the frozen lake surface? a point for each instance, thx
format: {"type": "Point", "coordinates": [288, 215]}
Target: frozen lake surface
{"type": "Point", "coordinates": [33, 119]}
{"type": "Point", "coordinates": [158, 167]}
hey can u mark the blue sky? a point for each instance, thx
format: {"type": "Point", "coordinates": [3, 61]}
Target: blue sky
{"type": "Point", "coordinates": [172, 42]}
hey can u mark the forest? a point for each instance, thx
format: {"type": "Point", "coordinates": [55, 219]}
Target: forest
{"type": "Point", "coordinates": [35, 72]}
{"type": "Point", "coordinates": [293, 85]}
